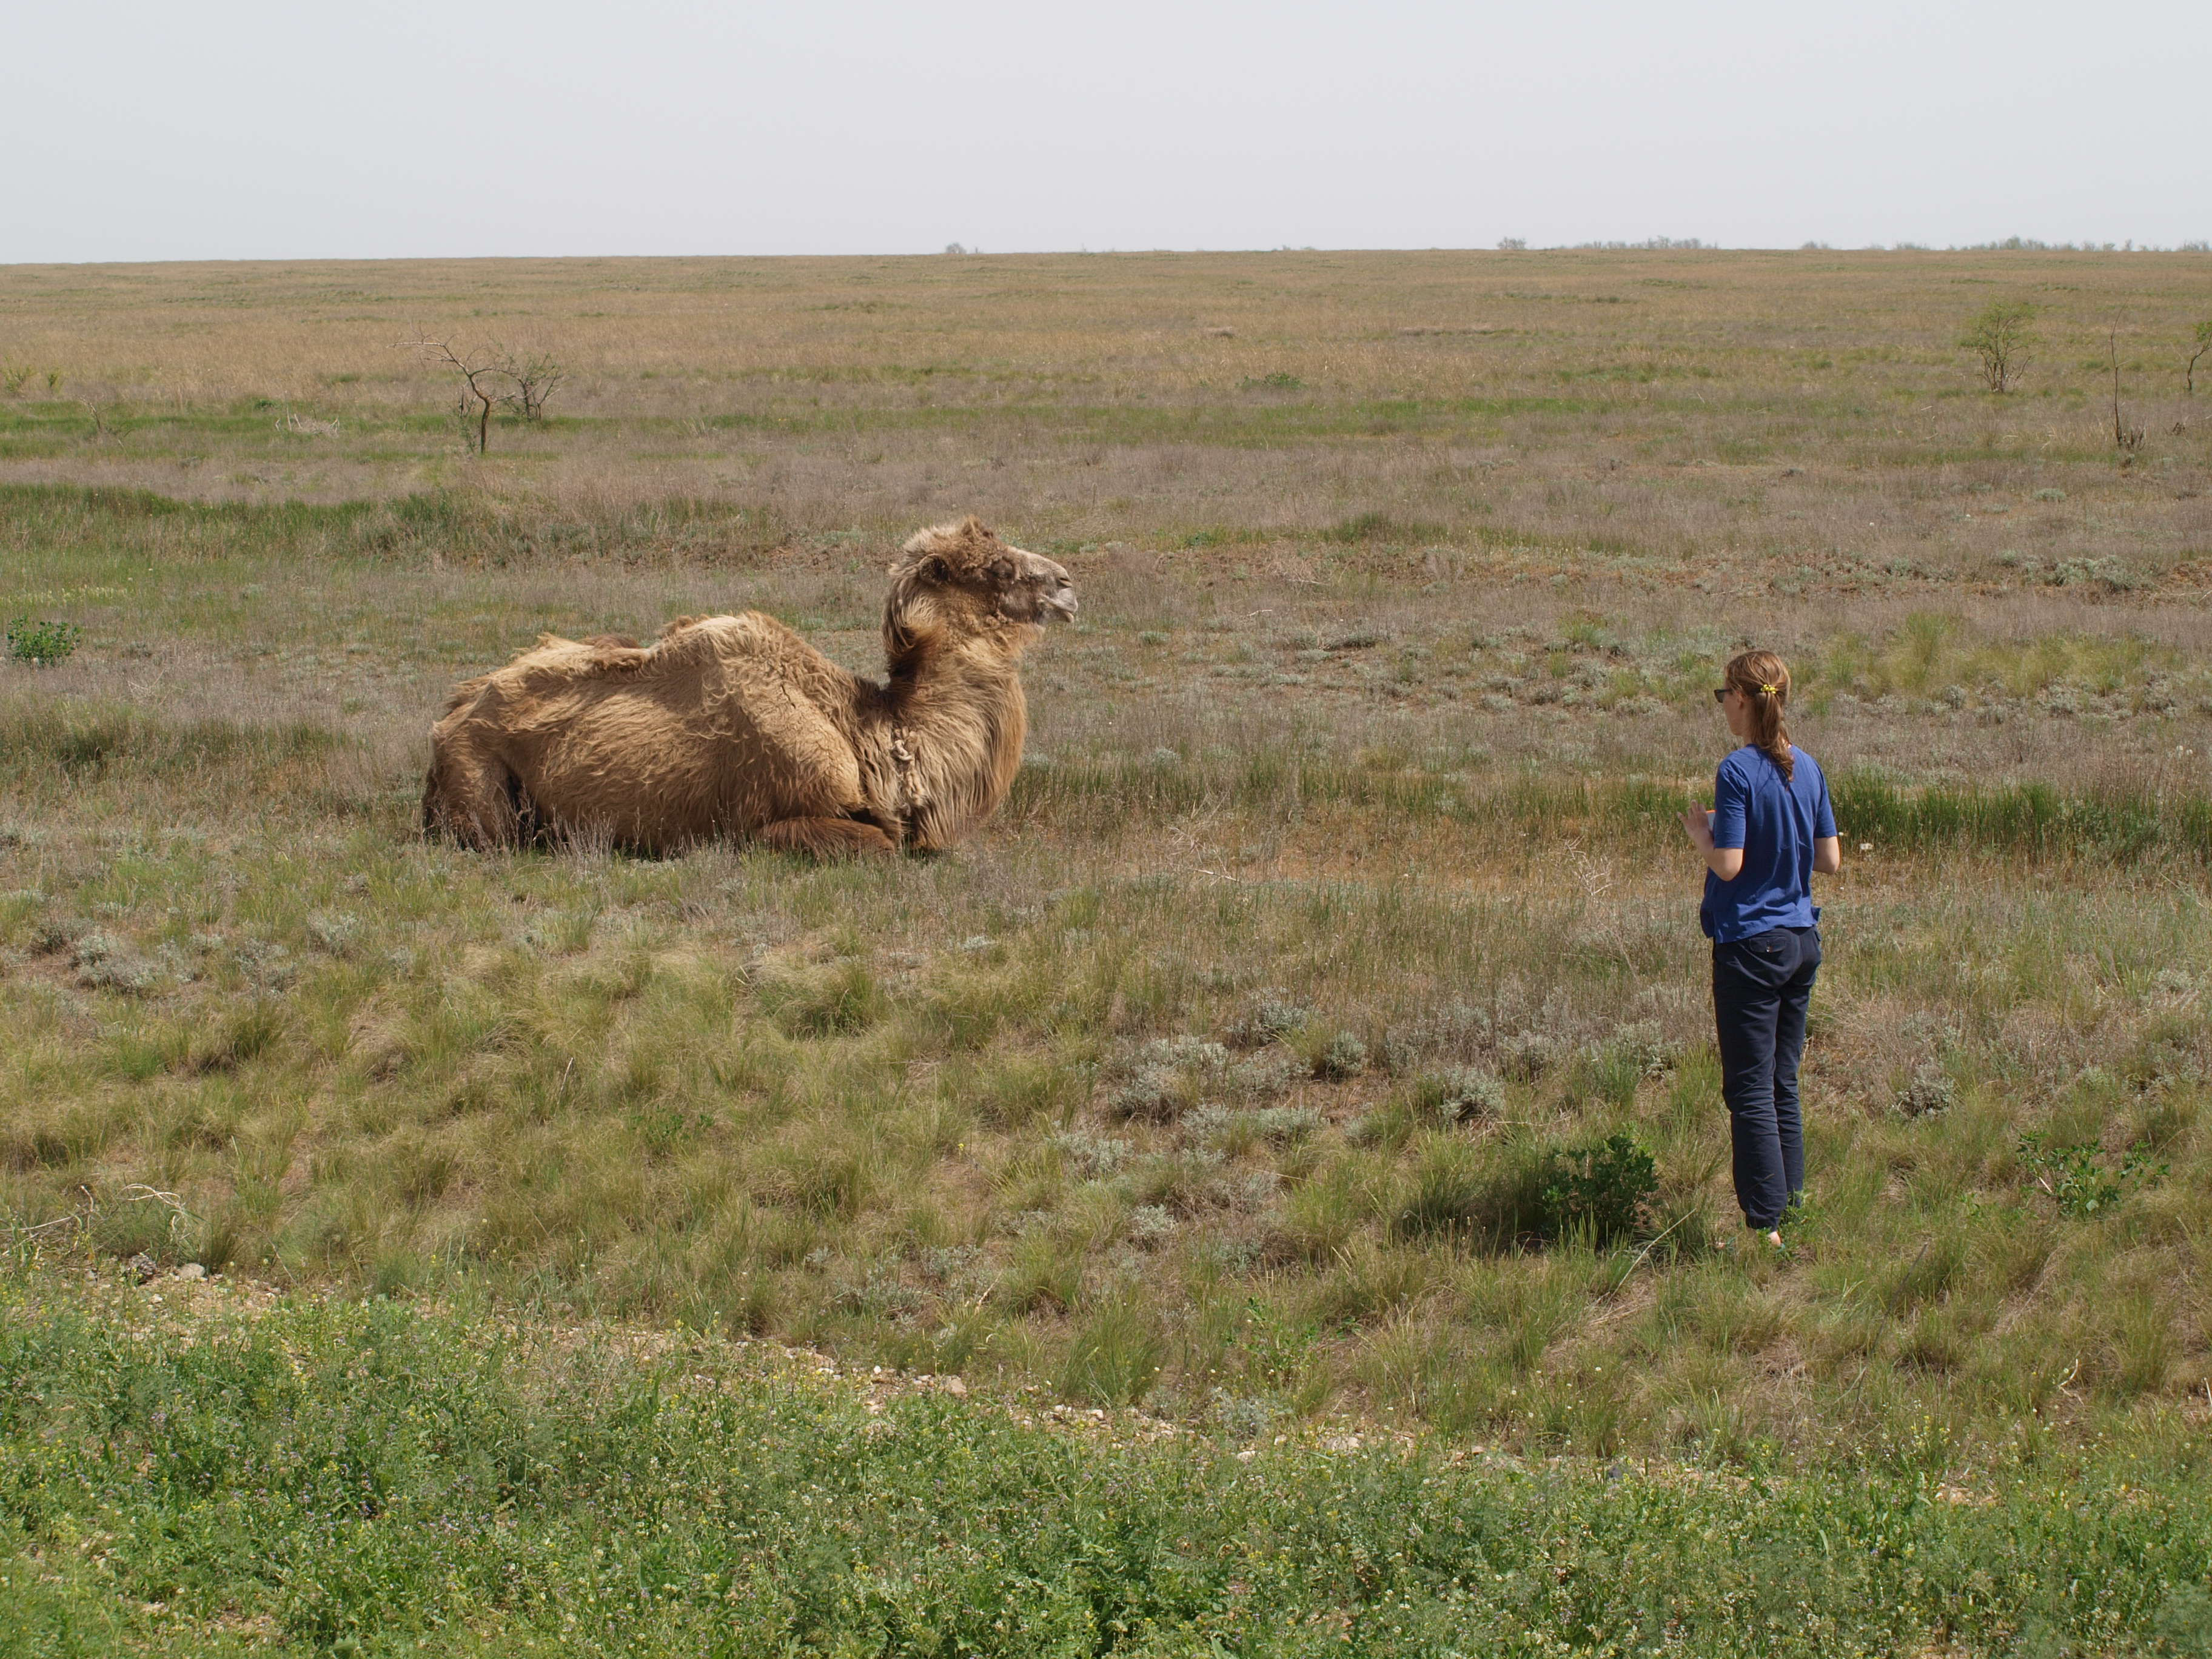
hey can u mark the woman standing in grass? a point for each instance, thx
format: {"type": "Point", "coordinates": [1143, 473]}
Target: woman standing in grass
{"type": "Point", "coordinates": [1770, 828]}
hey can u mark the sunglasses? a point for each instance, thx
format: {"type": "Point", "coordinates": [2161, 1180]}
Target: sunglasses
{"type": "Point", "coordinates": [1719, 693]}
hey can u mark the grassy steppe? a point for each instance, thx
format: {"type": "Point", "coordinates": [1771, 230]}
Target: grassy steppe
{"type": "Point", "coordinates": [1341, 887]}
{"type": "Point", "coordinates": [1064, 1106]}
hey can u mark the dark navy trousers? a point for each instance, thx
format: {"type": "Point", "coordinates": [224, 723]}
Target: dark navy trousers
{"type": "Point", "coordinates": [1761, 986]}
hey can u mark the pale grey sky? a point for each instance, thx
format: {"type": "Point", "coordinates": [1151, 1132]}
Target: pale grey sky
{"type": "Point", "coordinates": [263, 130]}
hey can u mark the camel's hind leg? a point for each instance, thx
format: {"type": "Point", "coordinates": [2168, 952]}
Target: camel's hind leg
{"type": "Point", "coordinates": [825, 838]}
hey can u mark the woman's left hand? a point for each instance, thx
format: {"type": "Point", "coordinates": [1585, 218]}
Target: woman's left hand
{"type": "Point", "coordinates": [1697, 822]}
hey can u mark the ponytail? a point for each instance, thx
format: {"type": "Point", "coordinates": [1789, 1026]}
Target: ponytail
{"type": "Point", "coordinates": [1763, 680]}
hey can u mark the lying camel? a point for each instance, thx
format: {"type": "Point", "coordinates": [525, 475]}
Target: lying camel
{"type": "Point", "coordinates": [734, 726]}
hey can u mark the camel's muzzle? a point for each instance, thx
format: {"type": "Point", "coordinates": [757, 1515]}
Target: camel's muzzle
{"type": "Point", "coordinates": [1061, 601]}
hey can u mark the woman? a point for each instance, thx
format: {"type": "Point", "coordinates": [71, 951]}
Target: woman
{"type": "Point", "coordinates": [1770, 828]}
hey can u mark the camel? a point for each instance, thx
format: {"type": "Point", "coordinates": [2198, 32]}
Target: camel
{"type": "Point", "coordinates": [734, 727]}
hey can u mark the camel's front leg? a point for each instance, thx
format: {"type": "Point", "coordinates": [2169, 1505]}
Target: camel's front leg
{"type": "Point", "coordinates": [825, 838]}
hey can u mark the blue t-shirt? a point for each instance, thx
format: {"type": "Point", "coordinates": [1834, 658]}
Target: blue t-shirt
{"type": "Point", "coordinates": [1775, 823]}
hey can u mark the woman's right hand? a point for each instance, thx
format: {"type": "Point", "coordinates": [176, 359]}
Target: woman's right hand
{"type": "Point", "coordinates": [1726, 862]}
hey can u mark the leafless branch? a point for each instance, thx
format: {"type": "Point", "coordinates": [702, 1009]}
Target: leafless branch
{"type": "Point", "coordinates": [2126, 439]}
{"type": "Point", "coordinates": [493, 375]}
{"type": "Point", "coordinates": [480, 371]}
{"type": "Point", "coordinates": [536, 377]}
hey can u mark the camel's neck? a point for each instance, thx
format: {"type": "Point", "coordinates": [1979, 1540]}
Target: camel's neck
{"type": "Point", "coordinates": [957, 705]}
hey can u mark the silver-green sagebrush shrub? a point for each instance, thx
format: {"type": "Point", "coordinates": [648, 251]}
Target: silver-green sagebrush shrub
{"type": "Point", "coordinates": [1167, 1076]}
{"type": "Point", "coordinates": [1340, 1056]}
{"type": "Point", "coordinates": [1266, 1074]}
{"type": "Point", "coordinates": [335, 931]}
{"type": "Point", "coordinates": [1525, 1056]}
{"type": "Point", "coordinates": [1267, 1016]}
{"type": "Point", "coordinates": [1928, 1092]}
{"type": "Point", "coordinates": [2104, 573]}
{"type": "Point", "coordinates": [1091, 1156]}
{"type": "Point", "coordinates": [1454, 1030]}
{"type": "Point", "coordinates": [1459, 1095]}
{"type": "Point", "coordinates": [104, 962]}
{"type": "Point", "coordinates": [1644, 1048]}
{"type": "Point", "coordinates": [1237, 1131]}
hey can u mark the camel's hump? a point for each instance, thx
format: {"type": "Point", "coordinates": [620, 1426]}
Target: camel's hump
{"type": "Point", "coordinates": [680, 636]}
{"type": "Point", "coordinates": [688, 646]}
{"type": "Point", "coordinates": [747, 631]}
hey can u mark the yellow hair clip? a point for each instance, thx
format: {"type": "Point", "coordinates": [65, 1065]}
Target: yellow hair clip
{"type": "Point", "coordinates": [1767, 688]}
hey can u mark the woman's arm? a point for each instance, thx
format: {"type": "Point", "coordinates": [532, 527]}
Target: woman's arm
{"type": "Point", "coordinates": [1828, 855]}
{"type": "Point", "coordinates": [1726, 862]}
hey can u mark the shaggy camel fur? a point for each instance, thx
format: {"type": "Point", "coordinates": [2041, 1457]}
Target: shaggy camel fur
{"type": "Point", "coordinates": [734, 726]}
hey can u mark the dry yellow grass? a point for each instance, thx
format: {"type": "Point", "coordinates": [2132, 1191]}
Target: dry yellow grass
{"type": "Point", "coordinates": [1673, 407]}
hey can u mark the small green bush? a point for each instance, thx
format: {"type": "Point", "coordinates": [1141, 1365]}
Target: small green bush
{"type": "Point", "coordinates": [1600, 1188]}
{"type": "Point", "coordinates": [2000, 336]}
{"type": "Point", "coordinates": [2083, 1180]}
{"type": "Point", "coordinates": [42, 644]}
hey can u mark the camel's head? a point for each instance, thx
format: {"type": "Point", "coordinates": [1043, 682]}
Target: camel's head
{"type": "Point", "coordinates": [964, 571]}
